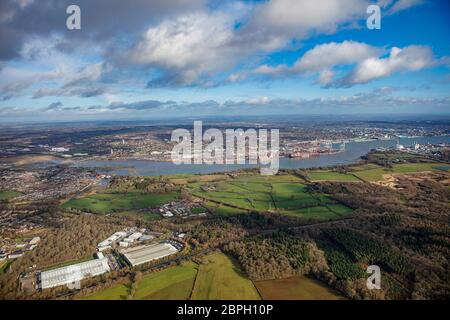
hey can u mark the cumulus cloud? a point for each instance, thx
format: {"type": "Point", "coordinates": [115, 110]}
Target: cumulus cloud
{"type": "Point", "coordinates": [368, 65]}
{"type": "Point", "coordinates": [186, 47]}
{"type": "Point", "coordinates": [176, 43]}
{"type": "Point", "coordinates": [412, 58]}
{"type": "Point", "coordinates": [299, 18]}
{"type": "Point", "coordinates": [322, 59]}
{"type": "Point", "coordinates": [102, 20]}
{"type": "Point", "coordinates": [328, 55]}
{"type": "Point", "coordinates": [196, 46]}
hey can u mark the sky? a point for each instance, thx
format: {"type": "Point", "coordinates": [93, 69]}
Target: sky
{"type": "Point", "coordinates": [146, 59]}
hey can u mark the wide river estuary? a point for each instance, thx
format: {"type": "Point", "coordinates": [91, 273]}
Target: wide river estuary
{"type": "Point", "coordinates": [353, 152]}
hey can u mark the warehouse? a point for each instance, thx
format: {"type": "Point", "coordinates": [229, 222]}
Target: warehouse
{"type": "Point", "coordinates": [108, 242]}
{"type": "Point", "coordinates": [143, 254]}
{"type": "Point", "coordinates": [73, 273]}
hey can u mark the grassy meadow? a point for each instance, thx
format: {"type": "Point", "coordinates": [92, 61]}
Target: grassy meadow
{"type": "Point", "coordinates": [219, 278]}
{"type": "Point", "coordinates": [216, 278]}
{"type": "Point", "coordinates": [286, 194]}
{"type": "Point", "coordinates": [112, 202]}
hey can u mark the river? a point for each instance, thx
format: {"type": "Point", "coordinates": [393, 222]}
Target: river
{"type": "Point", "coordinates": [353, 152]}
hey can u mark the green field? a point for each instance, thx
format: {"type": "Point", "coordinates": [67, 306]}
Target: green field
{"type": "Point", "coordinates": [118, 292]}
{"type": "Point", "coordinates": [7, 195]}
{"type": "Point", "coordinates": [377, 174]}
{"type": "Point", "coordinates": [221, 279]}
{"type": "Point", "coordinates": [174, 283]}
{"type": "Point", "coordinates": [217, 278]}
{"type": "Point", "coordinates": [224, 210]}
{"type": "Point", "coordinates": [296, 288]}
{"type": "Point", "coordinates": [104, 203]}
{"type": "Point", "coordinates": [286, 194]}
{"type": "Point", "coordinates": [321, 212]}
{"type": "Point", "coordinates": [331, 176]}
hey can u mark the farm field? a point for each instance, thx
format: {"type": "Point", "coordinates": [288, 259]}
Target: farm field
{"type": "Point", "coordinates": [286, 194]}
{"type": "Point", "coordinates": [174, 283]}
{"type": "Point", "coordinates": [104, 203]}
{"type": "Point", "coordinates": [331, 176]}
{"type": "Point", "coordinates": [221, 279]}
{"type": "Point", "coordinates": [377, 174]}
{"type": "Point", "coordinates": [224, 210]}
{"type": "Point", "coordinates": [118, 292]}
{"type": "Point", "coordinates": [314, 212]}
{"type": "Point", "coordinates": [7, 195]}
{"type": "Point", "coordinates": [218, 278]}
{"type": "Point", "coordinates": [296, 288]}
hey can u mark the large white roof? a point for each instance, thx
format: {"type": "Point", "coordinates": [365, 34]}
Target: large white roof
{"type": "Point", "coordinates": [73, 273]}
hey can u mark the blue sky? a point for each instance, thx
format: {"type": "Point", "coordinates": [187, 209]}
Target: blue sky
{"type": "Point", "coordinates": [174, 58]}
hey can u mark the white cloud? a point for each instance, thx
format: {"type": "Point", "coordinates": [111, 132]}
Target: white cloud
{"type": "Point", "coordinates": [189, 47]}
{"type": "Point", "coordinates": [412, 58]}
{"type": "Point", "coordinates": [322, 59]}
{"type": "Point", "coordinates": [297, 18]}
{"type": "Point", "coordinates": [200, 45]}
{"type": "Point", "coordinates": [331, 54]}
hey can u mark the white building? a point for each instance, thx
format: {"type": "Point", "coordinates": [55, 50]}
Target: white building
{"type": "Point", "coordinates": [135, 236]}
{"type": "Point", "coordinates": [143, 254]}
{"type": "Point", "coordinates": [73, 273]}
{"type": "Point", "coordinates": [108, 242]}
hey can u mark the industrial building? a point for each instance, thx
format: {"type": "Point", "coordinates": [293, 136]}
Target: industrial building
{"type": "Point", "coordinates": [142, 254]}
{"type": "Point", "coordinates": [106, 244]}
{"type": "Point", "coordinates": [73, 273]}
{"type": "Point", "coordinates": [133, 237]}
